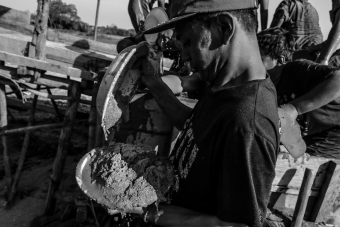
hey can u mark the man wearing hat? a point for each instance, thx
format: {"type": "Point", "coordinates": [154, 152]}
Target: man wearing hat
{"type": "Point", "coordinates": [224, 159]}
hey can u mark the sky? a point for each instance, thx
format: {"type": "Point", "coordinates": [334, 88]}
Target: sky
{"type": "Point", "coordinates": [114, 12]}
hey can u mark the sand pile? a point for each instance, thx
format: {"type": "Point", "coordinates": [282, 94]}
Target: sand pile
{"type": "Point", "coordinates": [131, 176]}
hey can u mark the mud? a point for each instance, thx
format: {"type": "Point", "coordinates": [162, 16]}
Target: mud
{"type": "Point", "coordinates": [131, 176]}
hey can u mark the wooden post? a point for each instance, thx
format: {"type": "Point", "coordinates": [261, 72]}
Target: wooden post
{"type": "Point", "coordinates": [93, 118]}
{"type": "Point", "coordinates": [55, 106]}
{"type": "Point", "coordinates": [23, 152]}
{"type": "Point", "coordinates": [302, 200]}
{"type": "Point", "coordinates": [3, 127]}
{"type": "Point", "coordinates": [96, 22]}
{"type": "Point", "coordinates": [326, 206]}
{"type": "Point", "coordinates": [38, 44]}
{"type": "Point", "coordinates": [64, 140]}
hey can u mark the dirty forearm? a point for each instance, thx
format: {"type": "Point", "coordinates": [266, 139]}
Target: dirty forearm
{"type": "Point", "coordinates": [332, 42]}
{"type": "Point", "coordinates": [177, 216]}
{"type": "Point", "coordinates": [177, 112]}
{"type": "Point", "coordinates": [179, 84]}
{"type": "Point", "coordinates": [319, 96]}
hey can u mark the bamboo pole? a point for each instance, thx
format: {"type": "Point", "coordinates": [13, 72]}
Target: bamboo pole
{"type": "Point", "coordinates": [3, 127]}
{"type": "Point", "coordinates": [23, 153]}
{"type": "Point", "coordinates": [64, 140]}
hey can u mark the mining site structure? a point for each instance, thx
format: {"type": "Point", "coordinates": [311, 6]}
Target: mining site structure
{"type": "Point", "coordinates": [33, 66]}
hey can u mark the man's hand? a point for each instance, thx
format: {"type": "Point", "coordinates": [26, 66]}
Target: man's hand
{"type": "Point", "coordinates": [290, 131]}
{"type": "Point", "coordinates": [149, 62]}
{"type": "Point", "coordinates": [291, 111]}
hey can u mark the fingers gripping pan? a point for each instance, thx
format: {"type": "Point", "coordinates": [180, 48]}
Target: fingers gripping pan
{"type": "Point", "coordinates": [117, 88]}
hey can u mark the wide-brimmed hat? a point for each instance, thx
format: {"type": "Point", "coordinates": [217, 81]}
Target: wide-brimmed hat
{"type": "Point", "coordinates": [183, 9]}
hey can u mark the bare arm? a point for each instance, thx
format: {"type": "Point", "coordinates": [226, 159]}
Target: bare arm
{"type": "Point", "coordinates": [264, 13]}
{"type": "Point", "coordinates": [161, 3]}
{"type": "Point", "coordinates": [322, 94]}
{"type": "Point", "coordinates": [332, 42]}
{"type": "Point", "coordinates": [149, 61]}
{"type": "Point", "coordinates": [179, 84]}
{"type": "Point", "coordinates": [278, 19]}
{"type": "Point", "coordinates": [177, 216]}
{"type": "Point", "coordinates": [177, 112]}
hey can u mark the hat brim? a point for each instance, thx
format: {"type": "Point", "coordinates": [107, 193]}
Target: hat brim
{"type": "Point", "coordinates": [168, 24]}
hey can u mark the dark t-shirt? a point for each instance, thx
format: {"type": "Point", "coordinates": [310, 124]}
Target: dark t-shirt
{"type": "Point", "coordinates": [225, 157]}
{"type": "Point", "coordinates": [320, 128]}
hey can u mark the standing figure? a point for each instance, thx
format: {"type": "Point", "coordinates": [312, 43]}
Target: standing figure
{"type": "Point", "coordinates": [333, 41]}
{"type": "Point", "coordinates": [301, 19]}
{"type": "Point", "coordinates": [139, 9]}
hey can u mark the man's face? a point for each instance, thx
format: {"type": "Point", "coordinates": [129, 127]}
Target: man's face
{"type": "Point", "coordinates": [198, 49]}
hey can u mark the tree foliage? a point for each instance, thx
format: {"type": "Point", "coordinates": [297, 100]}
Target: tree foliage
{"type": "Point", "coordinates": [65, 16]}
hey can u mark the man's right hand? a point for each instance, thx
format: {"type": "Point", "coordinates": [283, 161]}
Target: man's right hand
{"type": "Point", "coordinates": [149, 63]}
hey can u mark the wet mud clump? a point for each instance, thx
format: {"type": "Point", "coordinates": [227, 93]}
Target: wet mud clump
{"type": "Point", "coordinates": [131, 176]}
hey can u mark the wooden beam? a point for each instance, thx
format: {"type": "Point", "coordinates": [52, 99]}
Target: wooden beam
{"type": "Point", "coordinates": [46, 66]}
{"type": "Point", "coordinates": [326, 208]}
{"type": "Point", "coordinates": [81, 60]}
{"type": "Point", "coordinates": [33, 128]}
{"type": "Point", "coordinates": [304, 194]}
{"type": "Point", "coordinates": [3, 127]}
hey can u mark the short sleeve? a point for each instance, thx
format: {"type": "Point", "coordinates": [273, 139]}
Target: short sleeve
{"type": "Point", "coordinates": [307, 73]}
{"type": "Point", "coordinates": [282, 11]}
{"type": "Point", "coordinates": [254, 162]}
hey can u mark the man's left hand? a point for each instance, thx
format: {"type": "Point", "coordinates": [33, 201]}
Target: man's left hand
{"type": "Point", "coordinates": [291, 111]}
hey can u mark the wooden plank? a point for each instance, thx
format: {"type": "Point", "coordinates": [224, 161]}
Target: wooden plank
{"type": "Point", "coordinates": [327, 206]}
{"type": "Point", "coordinates": [304, 194]}
{"type": "Point", "coordinates": [83, 60]}
{"type": "Point", "coordinates": [43, 65]}
{"type": "Point", "coordinates": [289, 172]}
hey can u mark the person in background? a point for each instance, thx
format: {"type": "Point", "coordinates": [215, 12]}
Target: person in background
{"type": "Point", "coordinates": [308, 91]}
{"type": "Point", "coordinates": [301, 19]}
{"type": "Point", "coordinates": [139, 9]}
{"type": "Point", "coordinates": [333, 41]}
{"type": "Point", "coordinates": [264, 4]}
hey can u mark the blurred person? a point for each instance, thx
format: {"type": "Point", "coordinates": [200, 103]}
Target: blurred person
{"type": "Point", "coordinates": [333, 41]}
{"type": "Point", "coordinates": [308, 91]}
{"type": "Point", "coordinates": [139, 9]}
{"type": "Point", "coordinates": [301, 19]}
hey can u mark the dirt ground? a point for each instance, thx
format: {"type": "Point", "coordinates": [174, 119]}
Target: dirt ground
{"type": "Point", "coordinates": [34, 181]}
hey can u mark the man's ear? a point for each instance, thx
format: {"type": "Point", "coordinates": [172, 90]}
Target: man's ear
{"type": "Point", "coordinates": [227, 25]}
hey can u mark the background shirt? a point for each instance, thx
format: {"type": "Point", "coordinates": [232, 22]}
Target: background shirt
{"type": "Point", "coordinates": [302, 20]}
{"type": "Point", "coordinates": [225, 157]}
{"type": "Point", "coordinates": [321, 127]}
